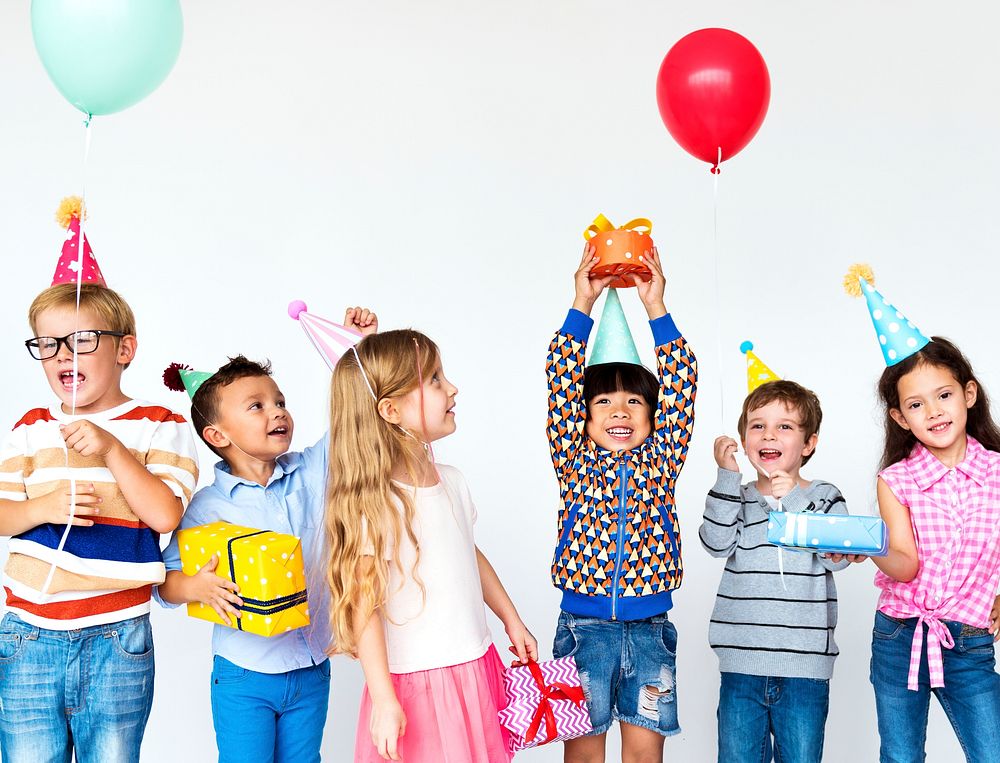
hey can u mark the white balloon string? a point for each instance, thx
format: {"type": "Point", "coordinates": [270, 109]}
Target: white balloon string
{"type": "Point", "coordinates": [781, 559]}
{"type": "Point", "coordinates": [718, 295]}
{"type": "Point", "coordinates": [80, 246]}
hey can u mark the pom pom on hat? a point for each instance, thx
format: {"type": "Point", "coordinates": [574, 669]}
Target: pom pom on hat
{"type": "Point", "coordinates": [295, 308]}
{"type": "Point", "coordinates": [746, 346]}
{"type": "Point", "coordinates": [69, 208]}
{"type": "Point", "coordinates": [182, 378]}
{"type": "Point", "coordinates": [172, 376]}
{"type": "Point", "coordinates": [76, 262]}
{"type": "Point", "coordinates": [852, 282]}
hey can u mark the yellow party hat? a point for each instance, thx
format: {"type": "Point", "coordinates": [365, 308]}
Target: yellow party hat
{"type": "Point", "coordinates": [757, 371]}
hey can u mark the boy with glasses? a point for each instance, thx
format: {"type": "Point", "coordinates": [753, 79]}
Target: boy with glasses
{"type": "Point", "coordinates": [86, 488]}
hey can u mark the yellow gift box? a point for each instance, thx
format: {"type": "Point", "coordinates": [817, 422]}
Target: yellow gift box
{"type": "Point", "coordinates": [266, 565]}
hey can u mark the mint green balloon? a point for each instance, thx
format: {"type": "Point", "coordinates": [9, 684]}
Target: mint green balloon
{"type": "Point", "coordinates": [106, 55]}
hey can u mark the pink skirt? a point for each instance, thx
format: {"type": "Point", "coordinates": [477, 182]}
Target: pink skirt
{"type": "Point", "coordinates": [451, 715]}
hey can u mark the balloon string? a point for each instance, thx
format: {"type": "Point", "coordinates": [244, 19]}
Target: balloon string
{"type": "Point", "coordinates": [718, 295]}
{"type": "Point", "coordinates": [80, 246]}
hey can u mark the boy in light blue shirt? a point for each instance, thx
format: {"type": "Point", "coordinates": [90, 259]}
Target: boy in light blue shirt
{"type": "Point", "coordinates": [269, 694]}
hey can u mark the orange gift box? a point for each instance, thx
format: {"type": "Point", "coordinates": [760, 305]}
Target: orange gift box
{"type": "Point", "coordinates": [619, 249]}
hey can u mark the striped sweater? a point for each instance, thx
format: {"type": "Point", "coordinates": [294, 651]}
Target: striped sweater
{"type": "Point", "coordinates": [103, 573]}
{"type": "Point", "coordinates": [762, 626]}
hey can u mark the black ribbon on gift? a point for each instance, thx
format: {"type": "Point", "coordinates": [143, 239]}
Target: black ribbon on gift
{"type": "Point", "coordinates": [261, 606]}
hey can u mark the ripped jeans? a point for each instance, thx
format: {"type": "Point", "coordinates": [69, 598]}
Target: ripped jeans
{"type": "Point", "coordinates": [627, 669]}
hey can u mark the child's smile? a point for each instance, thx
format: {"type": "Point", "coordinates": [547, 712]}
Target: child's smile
{"type": "Point", "coordinates": [935, 407]}
{"type": "Point", "coordinates": [618, 420]}
{"type": "Point", "coordinates": [775, 440]}
{"type": "Point", "coordinates": [253, 415]}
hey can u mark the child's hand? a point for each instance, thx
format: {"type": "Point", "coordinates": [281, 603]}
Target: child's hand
{"type": "Point", "coordinates": [588, 288]}
{"type": "Point", "coordinates": [88, 439]}
{"type": "Point", "coordinates": [651, 291]}
{"type": "Point", "coordinates": [781, 484]}
{"type": "Point", "coordinates": [725, 453]}
{"type": "Point", "coordinates": [852, 558]}
{"type": "Point", "coordinates": [995, 619]}
{"type": "Point", "coordinates": [216, 591]}
{"type": "Point", "coordinates": [54, 507]}
{"type": "Point", "coordinates": [362, 320]}
{"type": "Point", "coordinates": [386, 726]}
{"type": "Point", "coordinates": [522, 644]}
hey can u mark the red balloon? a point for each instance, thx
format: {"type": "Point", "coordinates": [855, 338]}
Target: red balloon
{"type": "Point", "coordinates": [713, 90]}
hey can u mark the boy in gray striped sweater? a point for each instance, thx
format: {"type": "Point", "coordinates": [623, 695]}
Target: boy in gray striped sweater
{"type": "Point", "coordinates": [775, 612]}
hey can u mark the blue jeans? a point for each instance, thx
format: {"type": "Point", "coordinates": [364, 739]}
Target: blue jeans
{"type": "Point", "coordinates": [265, 717]}
{"type": "Point", "coordinates": [970, 695]}
{"type": "Point", "coordinates": [753, 709]}
{"type": "Point", "coordinates": [87, 690]}
{"type": "Point", "coordinates": [627, 669]}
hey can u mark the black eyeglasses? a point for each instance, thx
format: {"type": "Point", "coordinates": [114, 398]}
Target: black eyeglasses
{"type": "Point", "coordinates": [81, 342]}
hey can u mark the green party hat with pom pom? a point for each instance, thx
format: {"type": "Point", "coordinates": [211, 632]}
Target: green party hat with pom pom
{"type": "Point", "coordinates": [613, 343]}
{"type": "Point", "coordinates": [180, 377]}
{"type": "Point", "coordinates": [898, 338]}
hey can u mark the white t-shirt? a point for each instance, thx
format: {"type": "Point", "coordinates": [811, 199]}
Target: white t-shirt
{"type": "Point", "coordinates": [446, 624]}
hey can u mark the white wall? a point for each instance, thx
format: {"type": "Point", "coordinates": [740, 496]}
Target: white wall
{"type": "Point", "coordinates": [438, 160]}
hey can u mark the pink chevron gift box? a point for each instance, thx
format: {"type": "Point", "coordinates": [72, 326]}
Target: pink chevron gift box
{"type": "Point", "coordinates": [545, 703]}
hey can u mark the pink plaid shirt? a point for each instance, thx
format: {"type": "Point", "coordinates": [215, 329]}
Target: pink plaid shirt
{"type": "Point", "coordinates": [956, 522]}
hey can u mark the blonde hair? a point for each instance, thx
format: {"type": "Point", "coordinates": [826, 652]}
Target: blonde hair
{"type": "Point", "coordinates": [361, 511]}
{"type": "Point", "coordinates": [110, 307]}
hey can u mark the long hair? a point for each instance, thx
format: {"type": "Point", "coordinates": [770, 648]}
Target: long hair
{"type": "Point", "coordinates": [362, 508]}
{"type": "Point", "coordinates": [942, 353]}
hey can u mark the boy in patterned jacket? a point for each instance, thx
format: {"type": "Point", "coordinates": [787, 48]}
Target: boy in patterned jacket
{"type": "Point", "coordinates": [618, 437]}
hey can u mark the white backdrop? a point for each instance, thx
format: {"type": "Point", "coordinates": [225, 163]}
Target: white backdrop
{"type": "Point", "coordinates": [438, 161]}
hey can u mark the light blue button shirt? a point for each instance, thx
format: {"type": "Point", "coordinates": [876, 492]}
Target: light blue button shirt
{"type": "Point", "coordinates": [292, 502]}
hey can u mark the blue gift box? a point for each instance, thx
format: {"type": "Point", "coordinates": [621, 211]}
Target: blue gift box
{"type": "Point", "coordinates": [830, 534]}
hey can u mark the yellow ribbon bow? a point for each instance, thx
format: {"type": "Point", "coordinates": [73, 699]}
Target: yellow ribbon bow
{"type": "Point", "coordinates": [602, 224]}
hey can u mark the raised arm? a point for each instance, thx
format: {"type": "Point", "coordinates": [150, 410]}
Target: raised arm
{"type": "Point", "coordinates": [676, 367]}
{"type": "Point", "coordinates": [722, 523]}
{"type": "Point", "coordinates": [566, 361]}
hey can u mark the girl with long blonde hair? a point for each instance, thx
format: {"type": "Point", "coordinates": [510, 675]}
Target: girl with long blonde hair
{"type": "Point", "coordinates": [407, 581]}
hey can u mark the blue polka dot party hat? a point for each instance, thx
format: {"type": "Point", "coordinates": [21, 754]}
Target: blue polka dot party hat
{"type": "Point", "coordinates": [757, 370]}
{"type": "Point", "coordinates": [613, 343]}
{"type": "Point", "coordinates": [897, 336]}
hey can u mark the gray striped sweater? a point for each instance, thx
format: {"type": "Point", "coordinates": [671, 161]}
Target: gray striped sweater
{"type": "Point", "coordinates": [759, 627]}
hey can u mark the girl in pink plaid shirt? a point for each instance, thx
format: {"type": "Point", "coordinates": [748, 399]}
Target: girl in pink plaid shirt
{"type": "Point", "coordinates": [937, 619]}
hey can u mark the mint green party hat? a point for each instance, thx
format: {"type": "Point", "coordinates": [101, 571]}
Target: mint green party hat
{"type": "Point", "coordinates": [613, 343]}
{"type": "Point", "coordinates": [180, 377]}
{"type": "Point", "coordinates": [897, 336]}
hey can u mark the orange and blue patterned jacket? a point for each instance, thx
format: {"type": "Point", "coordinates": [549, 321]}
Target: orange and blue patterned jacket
{"type": "Point", "coordinates": [619, 551]}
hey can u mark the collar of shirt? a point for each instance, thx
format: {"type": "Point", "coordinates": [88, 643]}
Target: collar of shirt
{"type": "Point", "coordinates": [928, 470]}
{"type": "Point", "coordinates": [227, 482]}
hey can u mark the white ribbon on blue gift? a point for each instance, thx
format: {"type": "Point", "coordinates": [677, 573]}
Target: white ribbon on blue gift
{"type": "Point", "coordinates": [788, 518]}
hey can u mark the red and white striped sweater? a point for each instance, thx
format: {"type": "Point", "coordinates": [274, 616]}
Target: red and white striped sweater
{"type": "Point", "coordinates": [104, 573]}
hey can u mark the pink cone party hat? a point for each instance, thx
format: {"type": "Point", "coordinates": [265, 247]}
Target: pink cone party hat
{"type": "Point", "coordinates": [71, 268]}
{"type": "Point", "coordinates": [330, 339]}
